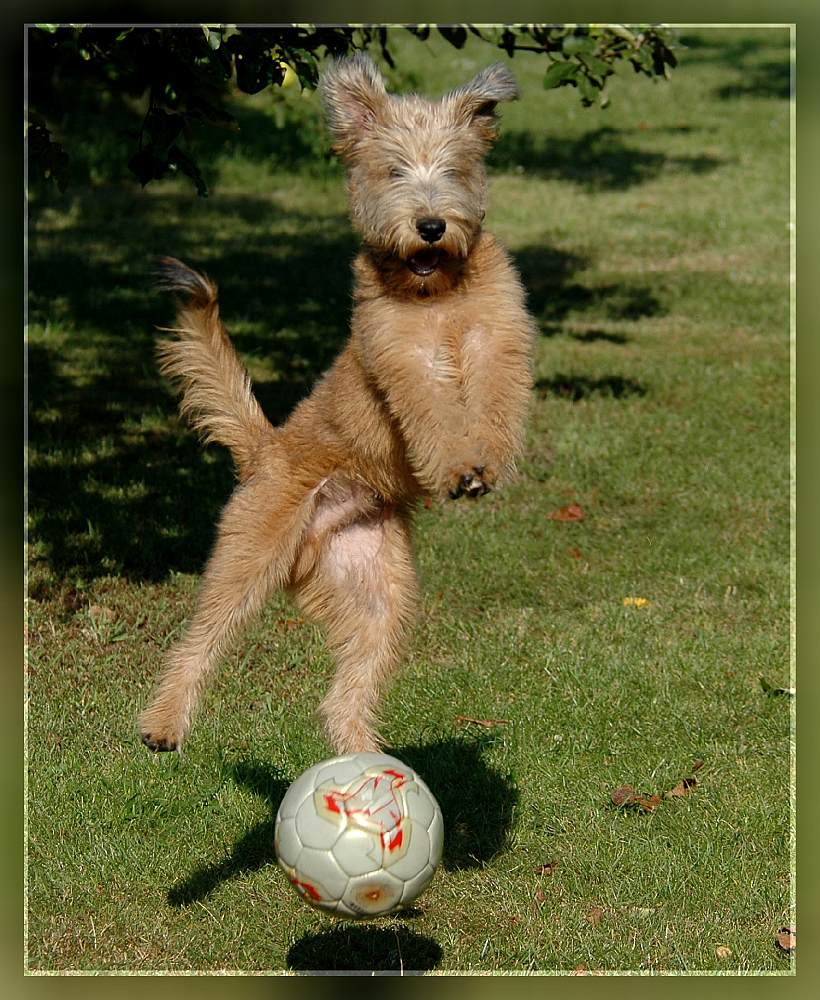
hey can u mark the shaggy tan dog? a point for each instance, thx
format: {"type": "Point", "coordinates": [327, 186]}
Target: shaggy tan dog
{"type": "Point", "coordinates": [429, 397]}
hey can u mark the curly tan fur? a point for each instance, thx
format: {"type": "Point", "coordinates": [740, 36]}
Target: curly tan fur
{"type": "Point", "coordinates": [428, 398]}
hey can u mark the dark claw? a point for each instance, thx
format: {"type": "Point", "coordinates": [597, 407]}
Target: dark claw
{"type": "Point", "coordinates": [158, 745]}
{"type": "Point", "coordinates": [471, 484]}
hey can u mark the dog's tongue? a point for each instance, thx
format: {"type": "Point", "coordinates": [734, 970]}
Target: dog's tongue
{"type": "Point", "coordinates": [425, 261]}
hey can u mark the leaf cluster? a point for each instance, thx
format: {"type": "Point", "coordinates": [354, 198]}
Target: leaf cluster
{"type": "Point", "coordinates": [585, 56]}
{"type": "Point", "coordinates": [180, 77]}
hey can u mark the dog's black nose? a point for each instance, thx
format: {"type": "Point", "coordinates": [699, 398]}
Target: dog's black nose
{"type": "Point", "coordinates": [431, 230]}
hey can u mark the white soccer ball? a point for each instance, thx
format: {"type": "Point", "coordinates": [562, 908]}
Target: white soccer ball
{"type": "Point", "coordinates": [359, 836]}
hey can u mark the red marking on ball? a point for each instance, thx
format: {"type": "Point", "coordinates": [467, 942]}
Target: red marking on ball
{"type": "Point", "coordinates": [307, 889]}
{"type": "Point", "coordinates": [395, 843]}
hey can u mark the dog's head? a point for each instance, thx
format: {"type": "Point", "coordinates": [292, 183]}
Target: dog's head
{"type": "Point", "coordinates": [415, 167]}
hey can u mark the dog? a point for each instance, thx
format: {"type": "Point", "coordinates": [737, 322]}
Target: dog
{"type": "Point", "coordinates": [428, 399]}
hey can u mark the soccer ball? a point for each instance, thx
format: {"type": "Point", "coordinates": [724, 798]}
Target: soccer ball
{"type": "Point", "coordinates": [359, 836]}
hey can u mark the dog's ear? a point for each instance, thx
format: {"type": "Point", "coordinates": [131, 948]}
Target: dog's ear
{"type": "Point", "coordinates": [475, 102]}
{"type": "Point", "coordinates": [354, 97]}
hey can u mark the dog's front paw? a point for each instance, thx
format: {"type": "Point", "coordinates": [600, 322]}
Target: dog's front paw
{"type": "Point", "coordinates": [160, 744]}
{"type": "Point", "coordinates": [472, 482]}
{"type": "Point", "coordinates": [158, 735]}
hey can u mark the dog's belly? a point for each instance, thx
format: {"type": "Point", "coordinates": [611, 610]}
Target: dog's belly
{"type": "Point", "coordinates": [346, 520]}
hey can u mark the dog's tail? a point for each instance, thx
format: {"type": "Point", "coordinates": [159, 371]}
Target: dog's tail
{"type": "Point", "coordinates": [216, 389]}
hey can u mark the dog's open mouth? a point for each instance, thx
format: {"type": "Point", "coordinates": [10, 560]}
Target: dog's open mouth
{"type": "Point", "coordinates": [425, 262]}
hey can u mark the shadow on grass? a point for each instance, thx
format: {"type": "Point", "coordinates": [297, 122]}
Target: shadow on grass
{"type": "Point", "coordinates": [553, 295]}
{"type": "Point", "coordinates": [769, 79]}
{"type": "Point", "coordinates": [252, 851]}
{"type": "Point", "coordinates": [577, 387]}
{"type": "Point", "coordinates": [766, 80]}
{"type": "Point", "coordinates": [349, 948]}
{"type": "Point", "coordinates": [591, 336]}
{"type": "Point", "coordinates": [719, 46]}
{"type": "Point", "coordinates": [477, 803]}
{"type": "Point", "coordinates": [117, 484]}
{"type": "Point", "coordinates": [600, 160]}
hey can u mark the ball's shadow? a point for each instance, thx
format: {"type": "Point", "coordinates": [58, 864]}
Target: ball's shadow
{"type": "Point", "coordinates": [252, 851]}
{"type": "Point", "coordinates": [389, 949]}
{"type": "Point", "coordinates": [477, 803]}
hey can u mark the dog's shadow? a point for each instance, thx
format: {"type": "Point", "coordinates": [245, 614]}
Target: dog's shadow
{"type": "Point", "coordinates": [477, 802]}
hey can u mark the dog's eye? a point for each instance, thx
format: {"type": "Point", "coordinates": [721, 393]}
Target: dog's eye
{"type": "Point", "coordinates": [395, 172]}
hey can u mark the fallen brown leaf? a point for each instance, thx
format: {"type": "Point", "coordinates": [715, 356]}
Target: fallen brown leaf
{"type": "Point", "coordinates": [487, 723]}
{"type": "Point", "coordinates": [723, 951]}
{"type": "Point", "coordinates": [548, 868]}
{"type": "Point", "coordinates": [595, 916]}
{"type": "Point", "coordinates": [622, 795]}
{"type": "Point", "coordinates": [572, 512]}
{"type": "Point", "coordinates": [697, 765]}
{"type": "Point", "coordinates": [575, 553]}
{"type": "Point", "coordinates": [648, 802]}
{"type": "Point", "coordinates": [627, 796]}
{"type": "Point", "coordinates": [682, 788]}
{"type": "Point", "coordinates": [787, 939]}
{"type": "Point", "coordinates": [540, 896]}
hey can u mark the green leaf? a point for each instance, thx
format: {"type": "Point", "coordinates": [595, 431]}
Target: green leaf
{"type": "Point", "coordinates": [587, 89]}
{"type": "Point", "coordinates": [597, 67]}
{"type": "Point", "coordinates": [559, 73]}
{"type": "Point", "coordinates": [574, 45]}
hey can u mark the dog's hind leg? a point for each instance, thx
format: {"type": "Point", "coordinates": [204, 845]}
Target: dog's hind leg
{"type": "Point", "coordinates": [257, 541]}
{"type": "Point", "coordinates": [362, 589]}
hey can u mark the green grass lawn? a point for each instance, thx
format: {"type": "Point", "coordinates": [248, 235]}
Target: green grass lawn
{"type": "Point", "coordinates": [653, 238]}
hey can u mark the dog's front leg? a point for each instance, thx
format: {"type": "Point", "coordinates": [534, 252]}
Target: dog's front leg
{"type": "Point", "coordinates": [496, 368]}
{"type": "Point", "coordinates": [421, 385]}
